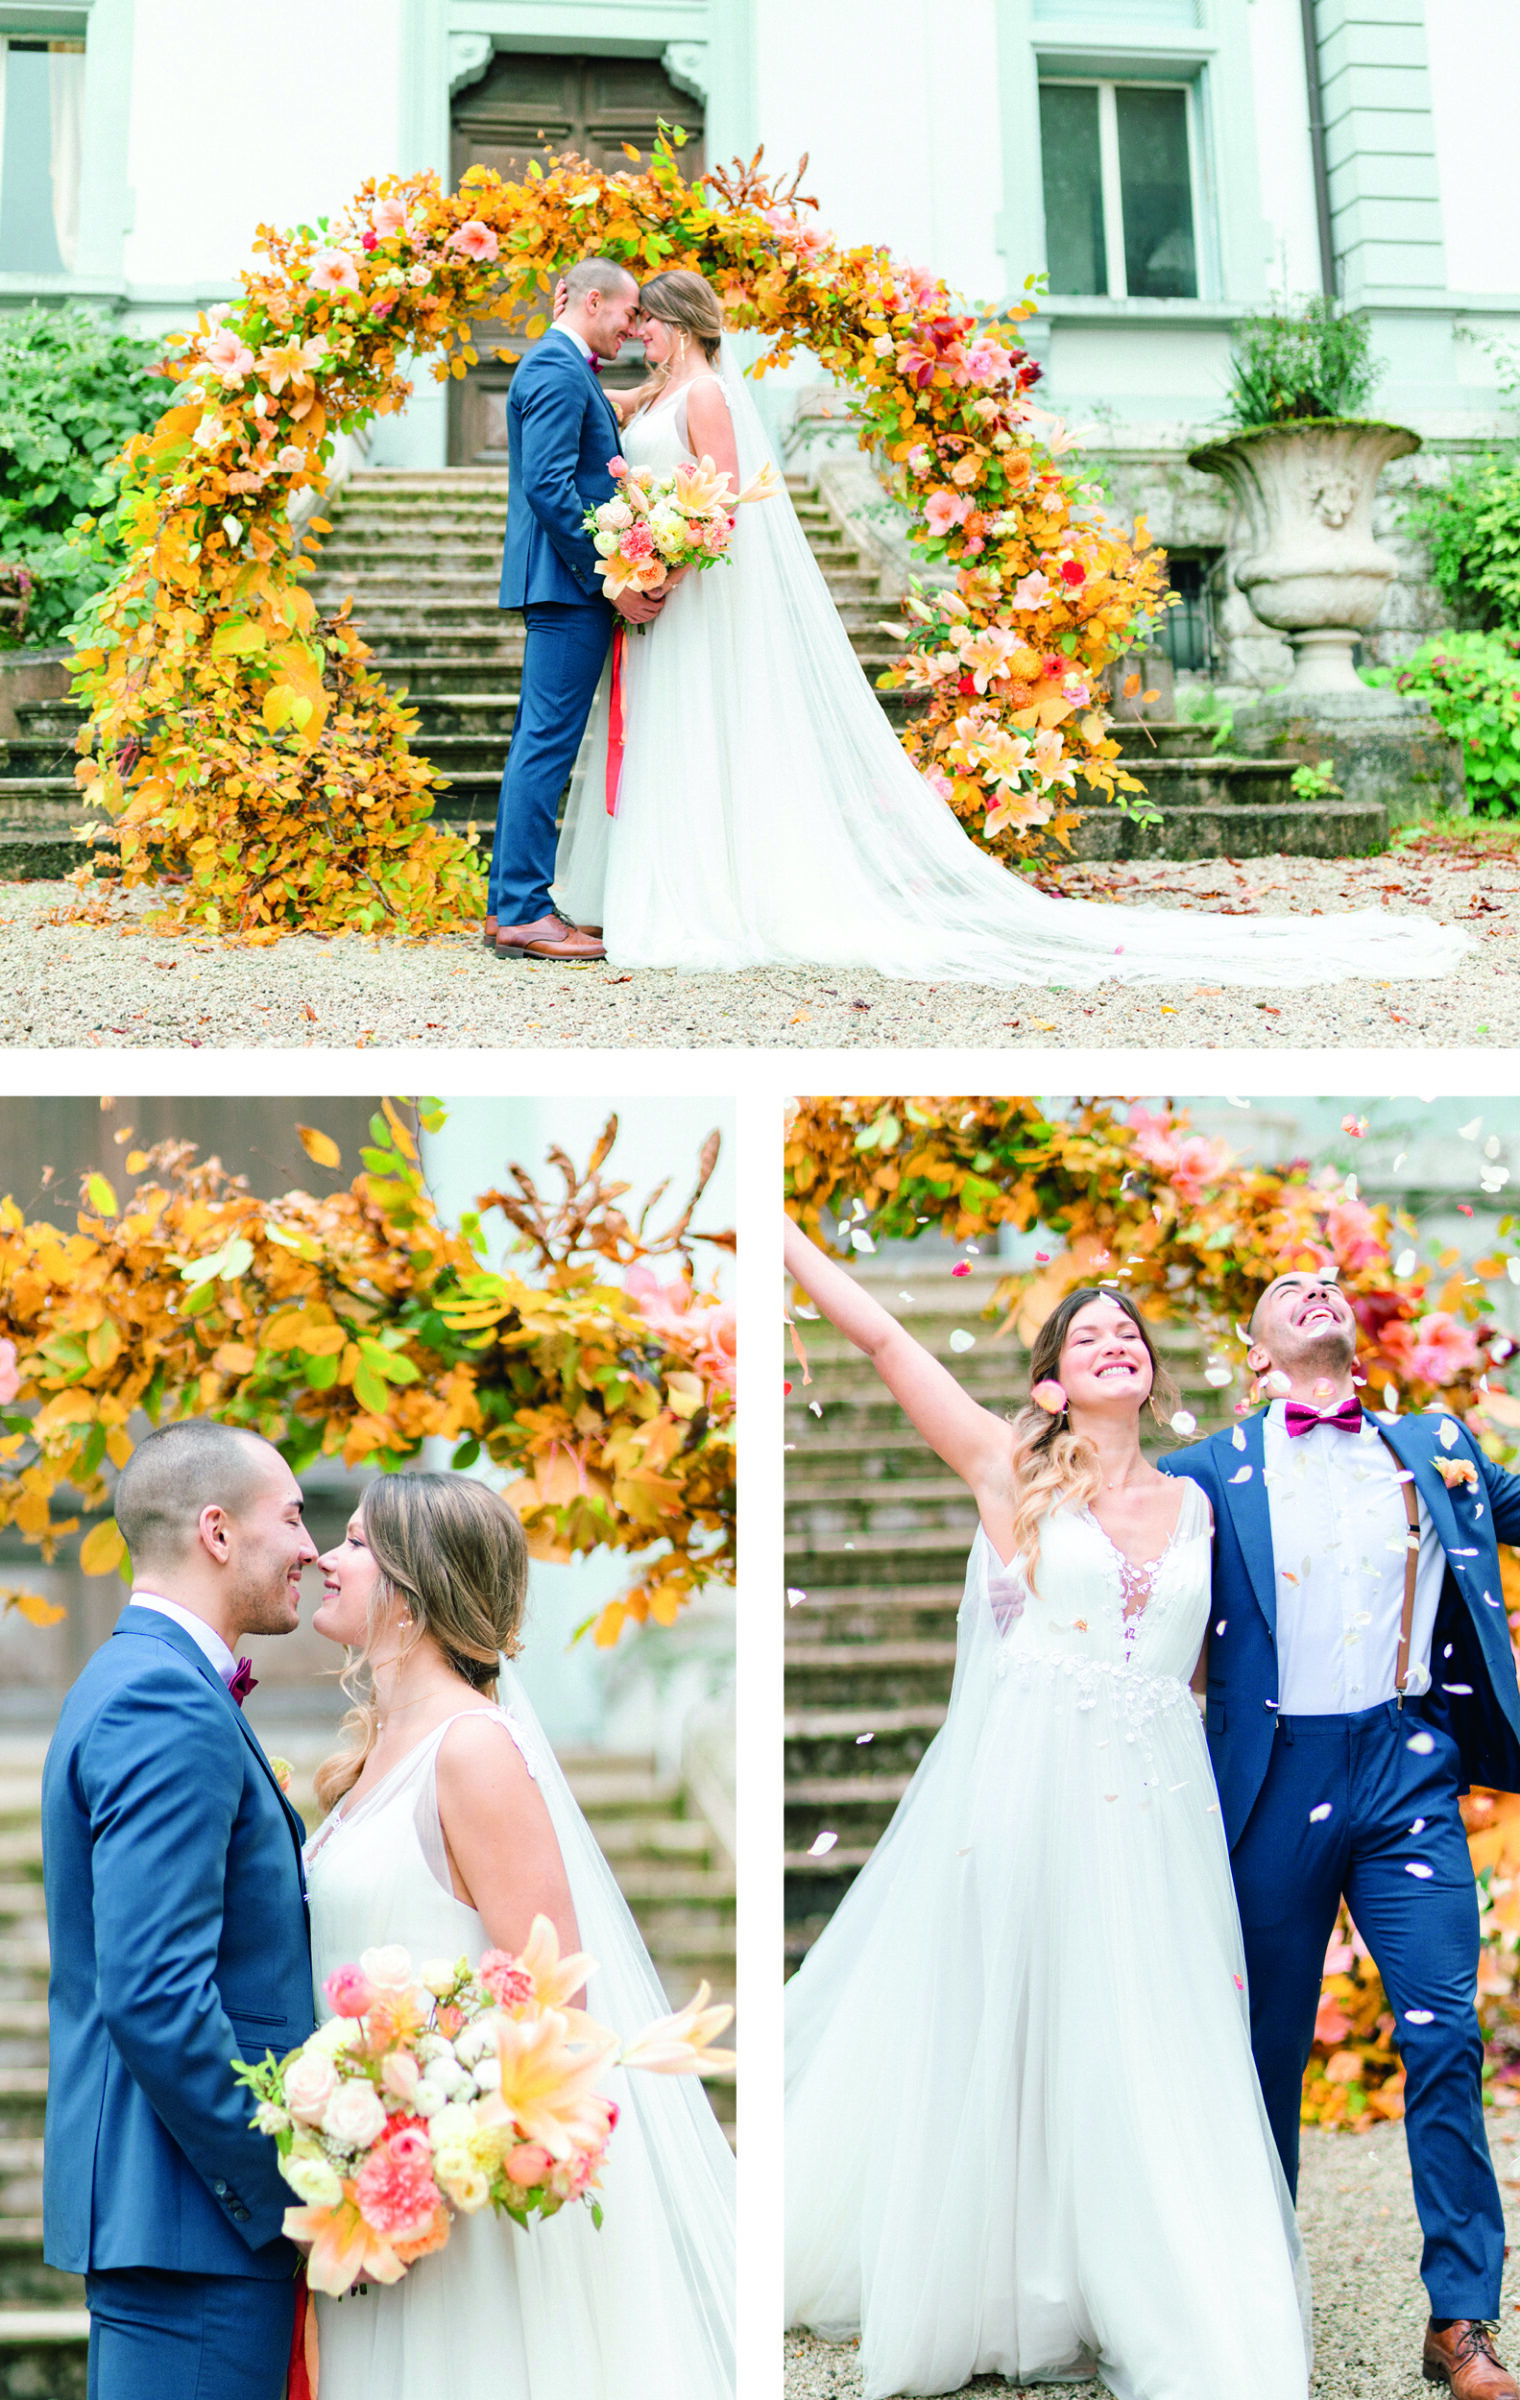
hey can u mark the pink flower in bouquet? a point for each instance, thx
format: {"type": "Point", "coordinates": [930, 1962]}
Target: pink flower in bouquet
{"type": "Point", "coordinates": [617, 467]}
{"type": "Point", "coordinates": [715, 535]}
{"type": "Point", "coordinates": [355, 2115]}
{"type": "Point", "coordinates": [309, 2085]}
{"type": "Point", "coordinates": [334, 271]}
{"type": "Point", "coordinates": [716, 1361]}
{"type": "Point", "coordinates": [505, 1979]}
{"type": "Point", "coordinates": [944, 509]}
{"type": "Point", "coordinates": [10, 1381]}
{"type": "Point", "coordinates": [1442, 1349]}
{"type": "Point", "coordinates": [349, 1991]}
{"type": "Point", "coordinates": [388, 1966]}
{"type": "Point", "coordinates": [637, 542]}
{"type": "Point", "coordinates": [528, 2164]}
{"type": "Point", "coordinates": [395, 2188]}
{"type": "Point", "coordinates": [230, 355]}
{"type": "Point", "coordinates": [400, 2075]}
{"type": "Point", "coordinates": [388, 217]}
{"type": "Point", "coordinates": [987, 361]}
{"type": "Point", "coordinates": [474, 240]}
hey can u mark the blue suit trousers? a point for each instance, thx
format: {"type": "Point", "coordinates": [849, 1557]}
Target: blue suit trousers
{"type": "Point", "coordinates": [1393, 1843]}
{"type": "Point", "coordinates": [563, 658]}
{"type": "Point", "coordinates": [154, 2335]}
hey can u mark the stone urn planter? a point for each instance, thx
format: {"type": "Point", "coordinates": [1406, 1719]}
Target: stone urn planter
{"type": "Point", "coordinates": [1313, 569]}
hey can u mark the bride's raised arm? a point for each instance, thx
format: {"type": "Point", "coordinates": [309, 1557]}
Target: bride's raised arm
{"type": "Point", "coordinates": [497, 1832]}
{"type": "Point", "coordinates": [972, 1441]}
{"type": "Point", "coordinates": [710, 431]}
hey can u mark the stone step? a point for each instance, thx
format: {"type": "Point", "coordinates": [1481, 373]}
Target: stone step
{"type": "Point", "coordinates": [1327, 829]}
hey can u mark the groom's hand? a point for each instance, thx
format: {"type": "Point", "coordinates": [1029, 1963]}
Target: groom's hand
{"type": "Point", "coordinates": [640, 608]}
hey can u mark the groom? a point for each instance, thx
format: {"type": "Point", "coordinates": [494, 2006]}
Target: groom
{"type": "Point", "coordinates": [561, 432]}
{"type": "Point", "coordinates": [177, 1920]}
{"type": "Point", "coordinates": [1360, 1676]}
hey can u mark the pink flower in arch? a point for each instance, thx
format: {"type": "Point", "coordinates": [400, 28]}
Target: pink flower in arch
{"type": "Point", "coordinates": [230, 355]}
{"type": "Point", "coordinates": [717, 1361]}
{"type": "Point", "coordinates": [474, 240]}
{"type": "Point", "coordinates": [334, 271]}
{"type": "Point", "coordinates": [1442, 1348]}
{"type": "Point", "coordinates": [944, 509]}
{"type": "Point", "coordinates": [988, 362]}
{"type": "Point", "coordinates": [10, 1381]}
{"type": "Point", "coordinates": [387, 217]}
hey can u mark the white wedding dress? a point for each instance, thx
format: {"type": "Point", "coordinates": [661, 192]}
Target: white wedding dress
{"type": "Point", "coordinates": [768, 814]}
{"type": "Point", "coordinates": [1024, 2134]}
{"type": "Point", "coordinates": [643, 2309]}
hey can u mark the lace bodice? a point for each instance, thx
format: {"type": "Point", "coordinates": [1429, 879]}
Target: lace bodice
{"type": "Point", "coordinates": [1092, 1604]}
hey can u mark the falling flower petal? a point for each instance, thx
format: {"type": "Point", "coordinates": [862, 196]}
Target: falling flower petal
{"type": "Point", "coordinates": [1421, 1743]}
{"type": "Point", "coordinates": [1318, 1815]}
{"type": "Point", "coordinates": [794, 1597]}
{"type": "Point", "coordinates": [1242, 1475]}
{"type": "Point", "coordinates": [1183, 1421]}
{"type": "Point", "coordinates": [960, 1341]}
{"type": "Point", "coordinates": [1417, 1867]}
{"type": "Point", "coordinates": [823, 1844]}
{"type": "Point", "coordinates": [960, 1267]}
{"type": "Point", "coordinates": [1419, 2016]}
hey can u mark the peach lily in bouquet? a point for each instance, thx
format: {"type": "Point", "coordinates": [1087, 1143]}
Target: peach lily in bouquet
{"type": "Point", "coordinates": [435, 2092]}
{"type": "Point", "coordinates": [654, 526]}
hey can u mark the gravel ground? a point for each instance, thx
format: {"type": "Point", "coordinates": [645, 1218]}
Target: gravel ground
{"type": "Point", "coordinates": [67, 985]}
{"type": "Point", "coordinates": [1363, 2240]}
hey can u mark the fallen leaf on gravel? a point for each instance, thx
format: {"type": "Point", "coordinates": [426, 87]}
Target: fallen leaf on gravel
{"type": "Point", "coordinates": [803, 1017]}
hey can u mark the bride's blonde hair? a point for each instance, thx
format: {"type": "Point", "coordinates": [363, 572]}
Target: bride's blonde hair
{"type": "Point", "coordinates": [455, 1555]}
{"type": "Point", "coordinates": [1052, 1466]}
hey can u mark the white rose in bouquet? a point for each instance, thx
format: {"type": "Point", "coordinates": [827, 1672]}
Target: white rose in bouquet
{"type": "Point", "coordinates": [310, 2082]}
{"type": "Point", "coordinates": [445, 2075]}
{"type": "Point", "coordinates": [438, 1977]}
{"type": "Point", "coordinates": [462, 2181]}
{"type": "Point", "coordinates": [389, 1968]}
{"type": "Point", "coordinates": [488, 2075]}
{"type": "Point", "coordinates": [475, 2041]}
{"type": "Point", "coordinates": [354, 2116]}
{"type": "Point", "coordinates": [313, 2179]}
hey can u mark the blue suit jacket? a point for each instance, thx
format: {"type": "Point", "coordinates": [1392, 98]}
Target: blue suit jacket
{"type": "Point", "coordinates": [1240, 1710]}
{"type": "Point", "coordinates": [177, 1918]}
{"type": "Point", "coordinates": [560, 434]}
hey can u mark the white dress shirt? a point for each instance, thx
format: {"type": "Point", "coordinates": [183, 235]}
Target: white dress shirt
{"type": "Point", "coordinates": [206, 1636]}
{"type": "Point", "coordinates": [1339, 1540]}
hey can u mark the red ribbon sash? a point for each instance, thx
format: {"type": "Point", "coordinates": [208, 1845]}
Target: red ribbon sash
{"type": "Point", "coordinates": [615, 722]}
{"type": "Point", "coordinates": [302, 2380]}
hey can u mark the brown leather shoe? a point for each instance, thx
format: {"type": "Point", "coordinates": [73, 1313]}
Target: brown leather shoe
{"type": "Point", "coordinates": [547, 937]}
{"type": "Point", "coordinates": [1464, 2358]}
{"type": "Point", "coordinates": [488, 933]}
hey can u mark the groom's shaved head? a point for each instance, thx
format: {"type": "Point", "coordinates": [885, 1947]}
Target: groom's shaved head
{"type": "Point", "coordinates": [177, 1472]}
{"type": "Point", "coordinates": [605, 275]}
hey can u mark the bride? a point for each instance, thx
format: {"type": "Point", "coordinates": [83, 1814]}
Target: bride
{"type": "Point", "coordinates": [453, 1829]}
{"type": "Point", "coordinates": [767, 812]}
{"type": "Point", "coordinates": [1024, 2132]}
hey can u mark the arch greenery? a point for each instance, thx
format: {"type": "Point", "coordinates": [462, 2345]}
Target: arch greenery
{"type": "Point", "coordinates": [243, 746]}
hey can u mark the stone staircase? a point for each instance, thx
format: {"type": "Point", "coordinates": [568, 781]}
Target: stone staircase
{"type": "Point", "coordinates": [877, 1533]}
{"type": "Point", "coordinates": [420, 553]}
{"type": "Point", "coordinates": [672, 1870]}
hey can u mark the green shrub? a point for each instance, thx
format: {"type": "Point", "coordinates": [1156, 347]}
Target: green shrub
{"type": "Point", "coordinates": [73, 389]}
{"type": "Point", "coordinates": [1472, 524]}
{"type": "Point", "coordinates": [1314, 361]}
{"type": "Point", "coordinates": [1471, 685]}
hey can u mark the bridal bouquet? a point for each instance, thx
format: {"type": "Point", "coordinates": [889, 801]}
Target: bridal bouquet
{"type": "Point", "coordinates": [654, 524]}
{"type": "Point", "coordinates": [433, 2092]}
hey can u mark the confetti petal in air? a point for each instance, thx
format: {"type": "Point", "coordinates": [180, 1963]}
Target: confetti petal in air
{"type": "Point", "coordinates": [862, 1738]}
{"type": "Point", "coordinates": [1242, 1475]}
{"type": "Point", "coordinates": [1404, 1264]}
{"type": "Point", "coordinates": [1276, 1382]}
{"type": "Point", "coordinates": [1324, 1389]}
{"type": "Point", "coordinates": [1463, 1691]}
{"type": "Point", "coordinates": [960, 1341]}
{"type": "Point", "coordinates": [816, 1407]}
{"type": "Point", "coordinates": [1219, 1628]}
{"type": "Point", "coordinates": [823, 1845]}
{"type": "Point", "coordinates": [1183, 1421]}
{"type": "Point", "coordinates": [1318, 1815]}
{"type": "Point", "coordinates": [1418, 1826]}
{"type": "Point", "coordinates": [1390, 1396]}
{"type": "Point", "coordinates": [861, 1241]}
{"type": "Point", "coordinates": [961, 1267]}
{"type": "Point", "coordinates": [1050, 1396]}
{"type": "Point", "coordinates": [1418, 1868]}
{"type": "Point", "coordinates": [1356, 1126]}
{"type": "Point", "coordinates": [1421, 1744]}
{"type": "Point", "coordinates": [794, 1596]}
{"type": "Point", "coordinates": [1419, 2016]}
{"type": "Point", "coordinates": [1470, 1133]}
{"type": "Point", "coordinates": [1448, 1433]}
{"type": "Point", "coordinates": [1218, 1376]}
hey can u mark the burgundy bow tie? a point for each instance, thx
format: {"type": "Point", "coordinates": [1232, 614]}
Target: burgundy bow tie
{"type": "Point", "coordinates": [595, 364]}
{"type": "Point", "coordinates": [1300, 1418]}
{"type": "Point", "coordinates": [242, 1680]}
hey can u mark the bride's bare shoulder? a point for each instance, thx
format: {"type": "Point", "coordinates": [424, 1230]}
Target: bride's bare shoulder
{"type": "Point", "coordinates": [482, 1752]}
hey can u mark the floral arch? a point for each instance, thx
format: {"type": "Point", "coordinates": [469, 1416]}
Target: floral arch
{"type": "Point", "coordinates": [245, 745]}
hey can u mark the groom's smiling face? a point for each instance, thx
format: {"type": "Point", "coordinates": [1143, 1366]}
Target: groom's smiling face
{"type": "Point", "coordinates": [1302, 1321]}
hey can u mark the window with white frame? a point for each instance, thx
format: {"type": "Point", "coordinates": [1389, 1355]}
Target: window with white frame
{"type": "Point", "coordinates": [41, 121]}
{"type": "Point", "coordinates": [1117, 161]}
